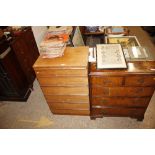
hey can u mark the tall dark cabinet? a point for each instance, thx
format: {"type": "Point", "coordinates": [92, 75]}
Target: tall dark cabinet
{"type": "Point", "coordinates": [16, 60]}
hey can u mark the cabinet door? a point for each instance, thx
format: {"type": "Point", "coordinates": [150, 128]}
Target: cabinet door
{"type": "Point", "coordinates": [6, 88]}
{"type": "Point", "coordinates": [13, 80]}
{"type": "Point", "coordinates": [31, 43]}
{"type": "Point", "coordinates": [26, 51]}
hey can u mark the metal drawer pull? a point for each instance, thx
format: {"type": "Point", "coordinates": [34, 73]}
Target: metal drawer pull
{"type": "Point", "coordinates": [140, 81]}
{"type": "Point", "coordinates": [5, 53]}
{"type": "Point", "coordinates": [139, 91]}
{"type": "Point", "coordinates": [153, 78]}
{"type": "Point", "coordinates": [104, 101]}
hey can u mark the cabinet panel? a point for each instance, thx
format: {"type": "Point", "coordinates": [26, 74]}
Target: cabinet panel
{"type": "Point", "coordinates": [140, 81]}
{"type": "Point", "coordinates": [47, 72]}
{"type": "Point", "coordinates": [132, 112]}
{"type": "Point", "coordinates": [107, 81]}
{"type": "Point", "coordinates": [68, 98]}
{"type": "Point", "coordinates": [26, 55]}
{"type": "Point", "coordinates": [73, 106]}
{"type": "Point", "coordinates": [63, 81]}
{"type": "Point", "coordinates": [70, 112]}
{"type": "Point", "coordinates": [120, 101]}
{"type": "Point", "coordinates": [132, 91]}
{"type": "Point", "coordinates": [16, 73]}
{"type": "Point", "coordinates": [65, 90]}
{"type": "Point", "coordinates": [123, 91]}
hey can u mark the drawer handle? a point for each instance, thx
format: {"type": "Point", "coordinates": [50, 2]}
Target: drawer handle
{"type": "Point", "coordinates": [105, 92]}
{"type": "Point", "coordinates": [139, 91]}
{"type": "Point", "coordinates": [104, 101]}
{"type": "Point", "coordinates": [153, 78]}
{"type": "Point", "coordinates": [141, 81]}
{"type": "Point", "coordinates": [107, 82]}
{"type": "Point", "coordinates": [5, 53]}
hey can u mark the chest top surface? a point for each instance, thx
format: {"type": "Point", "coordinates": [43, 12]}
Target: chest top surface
{"type": "Point", "coordinates": [74, 57]}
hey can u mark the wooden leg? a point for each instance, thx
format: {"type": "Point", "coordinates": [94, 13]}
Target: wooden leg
{"type": "Point", "coordinates": [92, 118]}
{"type": "Point", "coordinates": [140, 118]}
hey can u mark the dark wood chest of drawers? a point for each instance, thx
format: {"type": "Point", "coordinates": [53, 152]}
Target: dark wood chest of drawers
{"type": "Point", "coordinates": [121, 92]}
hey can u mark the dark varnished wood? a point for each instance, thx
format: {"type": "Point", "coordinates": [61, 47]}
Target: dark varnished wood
{"type": "Point", "coordinates": [16, 73]}
{"type": "Point", "coordinates": [140, 81]}
{"type": "Point", "coordinates": [107, 81]}
{"type": "Point", "coordinates": [108, 111]}
{"type": "Point", "coordinates": [120, 101]}
{"type": "Point", "coordinates": [123, 91]}
{"type": "Point", "coordinates": [129, 95]}
{"type": "Point", "coordinates": [134, 68]}
{"type": "Point", "coordinates": [25, 48]}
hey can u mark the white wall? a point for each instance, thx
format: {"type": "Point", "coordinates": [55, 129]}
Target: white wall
{"type": "Point", "coordinates": [39, 32]}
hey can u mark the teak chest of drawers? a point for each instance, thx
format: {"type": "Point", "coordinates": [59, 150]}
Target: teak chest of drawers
{"type": "Point", "coordinates": [121, 92]}
{"type": "Point", "coordinates": [64, 81]}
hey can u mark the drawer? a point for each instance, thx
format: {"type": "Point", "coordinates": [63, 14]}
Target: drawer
{"type": "Point", "coordinates": [131, 91]}
{"type": "Point", "coordinates": [65, 90]}
{"type": "Point", "coordinates": [70, 112]}
{"type": "Point", "coordinates": [60, 72]}
{"type": "Point", "coordinates": [107, 81]}
{"type": "Point", "coordinates": [68, 98]}
{"type": "Point", "coordinates": [63, 81]}
{"type": "Point", "coordinates": [140, 81]}
{"type": "Point", "coordinates": [133, 112]}
{"type": "Point", "coordinates": [120, 101]}
{"type": "Point", "coordinates": [100, 91]}
{"type": "Point", "coordinates": [123, 91]}
{"type": "Point", "coordinates": [74, 106]}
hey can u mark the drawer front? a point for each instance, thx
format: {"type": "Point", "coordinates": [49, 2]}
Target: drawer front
{"type": "Point", "coordinates": [132, 91]}
{"type": "Point", "coordinates": [140, 81]}
{"type": "Point", "coordinates": [123, 91]}
{"type": "Point", "coordinates": [60, 72]}
{"type": "Point", "coordinates": [65, 90]}
{"type": "Point", "coordinates": [118, 111]}
{"type": "Point", "coordinates": [63, 81]}
{"type": "Point", "coordinates": [68, 98]}
{"type": "Point", "coordinates": [74, 106]}
{"type": "Point", "coordinates": [70, 112]}
{"type": "Point", "coordinates": [100, 91]}
{"type": "Point", "coordinates": [120, 101]}
{"type": "Point", "coordinates": [107, 81]}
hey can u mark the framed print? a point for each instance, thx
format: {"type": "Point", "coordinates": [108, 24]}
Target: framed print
{"type": "Point", "coordinates": [110, 56]}
{"type": "Point", "coordinates": [125, 41]}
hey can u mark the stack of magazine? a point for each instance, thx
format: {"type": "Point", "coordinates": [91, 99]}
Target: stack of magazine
{"type": "Point", "coordinates": [54, 42]}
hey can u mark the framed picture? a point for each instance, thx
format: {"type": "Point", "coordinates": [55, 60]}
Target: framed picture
{"type": "Point", "coordinates": [110, 56]}
{"type": "Point", "coordinates": [125, 41]}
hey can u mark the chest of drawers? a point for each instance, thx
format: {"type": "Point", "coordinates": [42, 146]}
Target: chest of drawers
{"type": "Point", "coordinates": [121, 92]}
{"type": "Point", "coordinates": [64, 81]}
